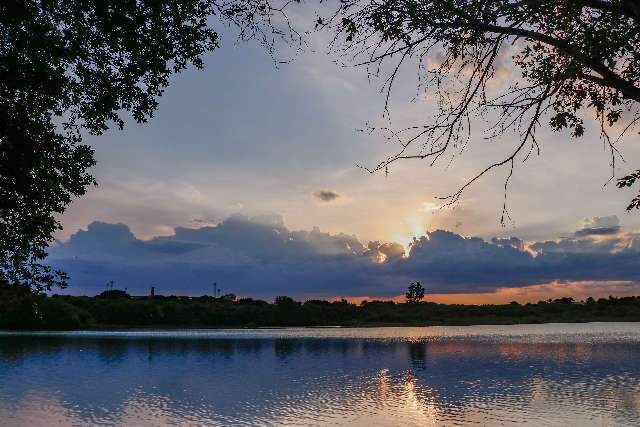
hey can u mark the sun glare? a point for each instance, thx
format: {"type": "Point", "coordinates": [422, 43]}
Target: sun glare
{"type": "Point", "coordinates": [416, 227]}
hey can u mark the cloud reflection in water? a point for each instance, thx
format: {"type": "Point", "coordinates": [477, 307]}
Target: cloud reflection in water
{"type": "Point", "coordinates": [453, 380]}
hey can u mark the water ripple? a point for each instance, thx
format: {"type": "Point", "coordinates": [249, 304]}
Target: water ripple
{"type": "Point", "coordinates": [528, 375]}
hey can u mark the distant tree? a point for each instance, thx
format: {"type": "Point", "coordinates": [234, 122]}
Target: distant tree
{"type": "Point", "coordinates": [251, 301]}
{"type": "Point", "coordinates": [18, 306]}
{"type": "Point", "coordinates": [576, 58]}
{"type": "Point", "coordinates": [283, 301]}
{"type": "Point", "coordinates": [72, 67]}
{"type": "Point", "coordinates": [114, 294]}
{"type": "Point", "coordinates": [229, 297]}
{"type": "Point", "coordinates": [415, 292]}
{"type": "Point", "coordinates": [57, 314]}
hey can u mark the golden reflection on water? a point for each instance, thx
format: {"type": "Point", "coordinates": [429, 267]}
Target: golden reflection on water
{"type": "Point", "coordinates": [392, 402]}
{"type": "Point", "coordinates": [586, 381]}
{"type": "Point", "coordinates": [387, 405]}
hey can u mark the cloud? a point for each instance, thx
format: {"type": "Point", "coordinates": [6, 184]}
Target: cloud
{"type": "Point", "coordinates": [599, 225]}
{"type": "Point", "coordinates": [326, 196]}
{"type": "Point", "coordinates": [601, 221]}
{"type": "Point", "coordinates": [259, 256]}
{"type": "Point", "coordinates": [429, 207]}
{"type": "Point", "coordinates": [579, 290]}
{"type": "Point", "coordinates": [512, 242]}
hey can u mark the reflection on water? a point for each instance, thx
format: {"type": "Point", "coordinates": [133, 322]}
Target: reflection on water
{"type": "Point", "coordinates": [568, 375]}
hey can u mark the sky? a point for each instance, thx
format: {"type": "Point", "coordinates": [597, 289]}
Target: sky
{"type": "Point", "coordinates": [245, 155]}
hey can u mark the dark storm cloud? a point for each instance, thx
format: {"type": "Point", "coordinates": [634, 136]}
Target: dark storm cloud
{"type": "Point", "coordinates": [259, 256]}
{"type": "Point", "coordinates": [326, 195]}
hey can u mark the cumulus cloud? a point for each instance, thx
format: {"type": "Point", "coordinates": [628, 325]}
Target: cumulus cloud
{"type": "Point", "coordinates": [326, 196]}
{"type": "Point", "coordinates": [512, 242]}
{"type": "Point", "coordinates": [382, 252]}
{"type": "Point", "coordinates": [260, 256]}
{"type": "Point", "coordinates": [599, 225]}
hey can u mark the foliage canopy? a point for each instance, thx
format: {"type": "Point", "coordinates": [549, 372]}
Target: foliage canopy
{"type": "Point", "coordinates": [72, 67]}
{"type": "Point", "coordinates": [415, 292]}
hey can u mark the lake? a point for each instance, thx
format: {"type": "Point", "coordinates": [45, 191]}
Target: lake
{"type": "Point", "coordinates": [535, 375]}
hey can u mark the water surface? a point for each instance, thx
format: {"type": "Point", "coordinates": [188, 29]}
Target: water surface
{"type": "Point", "coordinates": [551, 375]}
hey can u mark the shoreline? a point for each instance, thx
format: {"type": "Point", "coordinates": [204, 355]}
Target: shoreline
{"type": "Point", "coordinates": [118, 311]}
{"type": "Point", "coordinates": [121, 328]}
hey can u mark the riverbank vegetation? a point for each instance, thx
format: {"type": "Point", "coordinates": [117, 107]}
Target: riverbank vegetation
{"type": "Point", "coordinates": [21, 309]}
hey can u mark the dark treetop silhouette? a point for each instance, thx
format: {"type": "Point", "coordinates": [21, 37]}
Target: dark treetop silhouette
{"type": "Point", "coordinates": [71, 66]}
{"type": "Point", "coordinates": [22, 309]}
{"type": "Point", "coordinates": [576, 57]}
{"type": "Point", "coordinates": [415, 292]}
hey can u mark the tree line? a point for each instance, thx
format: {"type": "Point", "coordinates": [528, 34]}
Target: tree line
{"type": "Point", "coordinates": [21, 309]}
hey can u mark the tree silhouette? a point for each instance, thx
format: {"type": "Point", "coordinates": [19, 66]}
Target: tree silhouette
{"type": "Point", "coordinates": [284, 301]}
{"type": "Point", "coordinates": [415, 292]}
{"type": "Point", "coordinates": [576, 58]}
{"type": "Point", "coordinates": [72, 67]}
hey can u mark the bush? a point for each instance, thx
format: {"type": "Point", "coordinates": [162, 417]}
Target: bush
{"type": "Point", "coordinates": [18, 307]}
{"type": "Point", "coordinates": [57, 314]}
